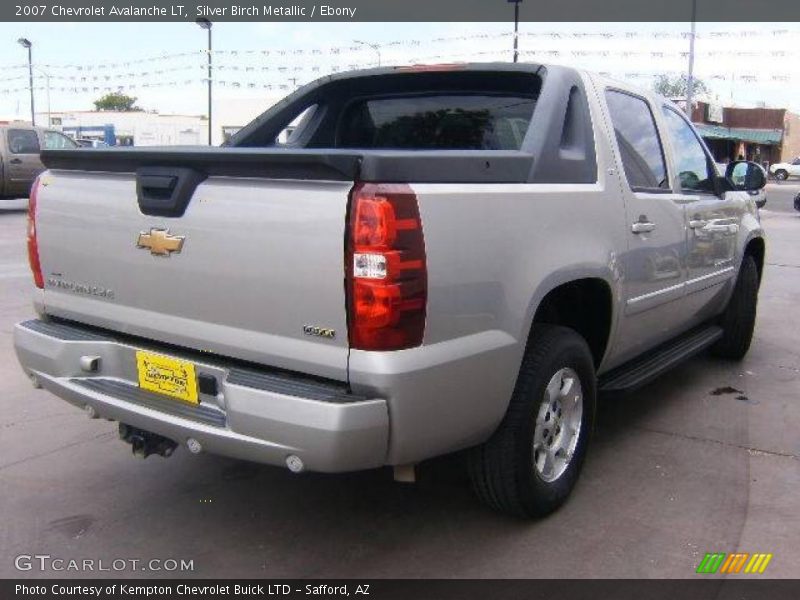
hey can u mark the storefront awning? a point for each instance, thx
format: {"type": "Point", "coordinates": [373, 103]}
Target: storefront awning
{"type": "Point", "coordinates": [768, 137]}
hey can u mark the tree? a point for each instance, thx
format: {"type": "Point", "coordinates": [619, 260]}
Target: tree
{"type": "Point", "coordinates": [117, 101]}
{"type": "Point", "coordinates": [676, 87]}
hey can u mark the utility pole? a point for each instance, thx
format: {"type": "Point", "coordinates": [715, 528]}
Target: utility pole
{"type": "Point", "coordinates": [206, 24]}
{"type": "Point", "coordinates": [690, 78]}
{"type": "Point", "coordinates": [26, 43]}
{"type": "Point", "coordinates": [516, 28]}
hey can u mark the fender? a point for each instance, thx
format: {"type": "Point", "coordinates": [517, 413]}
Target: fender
{"type": "Point", "coordinates": [751, 229]}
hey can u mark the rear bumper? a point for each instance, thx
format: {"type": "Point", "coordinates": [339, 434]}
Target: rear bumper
{"type": "Point", "coordinates": [262, 416]}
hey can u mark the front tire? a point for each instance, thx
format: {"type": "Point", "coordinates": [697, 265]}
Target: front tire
{"type": "Point", "coordinates": [531, 463]}
{"type": "Point", "coordinates": [739, 319]}
{"type": "Point", "coordinates": [781, 175]}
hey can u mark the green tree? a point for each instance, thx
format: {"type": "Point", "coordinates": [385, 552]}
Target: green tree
{"type": "Point", "coordinates": [117, 101]}
{"type": "Point", "coordinates": [676, 87]}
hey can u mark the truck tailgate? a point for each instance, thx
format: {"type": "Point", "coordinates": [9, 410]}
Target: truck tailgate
{"type": "Point", "coordinates": [260, 267]}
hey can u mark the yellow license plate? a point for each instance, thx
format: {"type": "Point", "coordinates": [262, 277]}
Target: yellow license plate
{"type": "Point", "coordinates": [168, 376]}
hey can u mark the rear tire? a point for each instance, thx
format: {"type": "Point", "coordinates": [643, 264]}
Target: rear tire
{"type": "Point", "coordinates": [739, 319]}
{"type": "Point", "coordinates": [781, 175]}
{"type": "Point", "coordinates": [531, 463]}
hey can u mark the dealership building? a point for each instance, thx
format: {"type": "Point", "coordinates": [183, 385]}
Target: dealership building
{"type": "Point", "coordinates": [130, 128]}
{"type": "Point", "coordinates": [149, 128]}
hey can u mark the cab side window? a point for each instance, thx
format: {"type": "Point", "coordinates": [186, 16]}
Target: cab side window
{"type": "Point", "coordinates": [56, 141]}
{"type": "Point", "coordinates": [694, 168]}
{"type": "Point", "coordinates": [638, 141]}
{"type": "Point", "coordinates": [23, 141]}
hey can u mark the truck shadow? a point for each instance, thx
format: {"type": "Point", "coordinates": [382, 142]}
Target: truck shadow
{"type": "Point", "coordinates": [236, 519]}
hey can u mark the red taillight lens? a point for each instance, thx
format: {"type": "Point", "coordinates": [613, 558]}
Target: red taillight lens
{"type": "Point", "coordinates": [33, 245]}
{"type": "Point", "coordinates": [387, 281]}
{"type": "Point", "coordinates": [375, 223]}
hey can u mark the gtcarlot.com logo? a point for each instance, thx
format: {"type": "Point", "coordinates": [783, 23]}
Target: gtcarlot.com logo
{"type": "Point", "coordinates": [736, 562]}
{"type": "Point", "coordinates": [46, 562]}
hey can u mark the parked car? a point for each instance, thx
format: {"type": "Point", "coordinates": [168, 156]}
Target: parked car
{"type": "Point", "coordinates": [782, 171]}
{"type": "Point", "coordinates": [20, 146]}
{"type": "Point", "coordinates": [797, 202]}
{"type": "Point", "coordinates": [440, 258]}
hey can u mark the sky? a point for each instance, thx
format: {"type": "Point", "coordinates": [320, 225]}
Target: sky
{"type": "Point", "coordinates": [163, 64]}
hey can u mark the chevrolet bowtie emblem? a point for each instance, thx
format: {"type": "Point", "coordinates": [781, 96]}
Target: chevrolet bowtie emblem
{"type": "Point", "coordinates": [160, 242]}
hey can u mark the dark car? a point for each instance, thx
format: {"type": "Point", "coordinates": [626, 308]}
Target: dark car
{"type": "Point", "coordinates": [797, 202]}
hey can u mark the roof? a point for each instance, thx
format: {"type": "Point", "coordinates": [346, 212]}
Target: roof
{"type": "Point", "coordinates": [740, 134]}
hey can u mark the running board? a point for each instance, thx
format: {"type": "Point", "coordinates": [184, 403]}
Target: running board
{"type": "Point", "coordinates": [644, 369]}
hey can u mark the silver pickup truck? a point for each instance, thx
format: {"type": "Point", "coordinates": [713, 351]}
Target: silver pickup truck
{"type": "Point", "coordinates": [438, 258]}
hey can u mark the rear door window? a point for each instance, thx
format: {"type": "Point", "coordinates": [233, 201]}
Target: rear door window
{"type": "Point", "coordinates": [441, 122]}
{"type": "Point", "coordinates": [23, 141]}
{"type": "Point", "coordinates": [56, 141]}
{"type": "Point", "coordinates": [639, 145]}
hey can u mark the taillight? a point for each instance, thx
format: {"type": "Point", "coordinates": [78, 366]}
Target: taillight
{"type": "Point", "coordinates": [387, 281]}
{"type": "Point", "coordinates": [33, 244]}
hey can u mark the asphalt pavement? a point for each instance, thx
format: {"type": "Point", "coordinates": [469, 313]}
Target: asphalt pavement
{"type": "Point", "coordinates": [703, 460]}
{"type": "Point", "coordinates": [780, 196]}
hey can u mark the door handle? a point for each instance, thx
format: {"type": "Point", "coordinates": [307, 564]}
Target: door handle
{"type": "Point", "coordinates": [729, 228]}
{"type": "Point", "coordinates": [15, 161]}
{"type": "Point", "coordinates": [642, 227]}
{"type": "Point", "coordinates": [711, 227]}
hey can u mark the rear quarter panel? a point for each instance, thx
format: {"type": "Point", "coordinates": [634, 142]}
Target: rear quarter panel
{"type": "Point", "coordinates": [494, 251]}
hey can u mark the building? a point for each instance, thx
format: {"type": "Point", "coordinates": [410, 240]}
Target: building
{"type": "Point", "coordinates": [147, 128]}
{"type": "Point", "coordinates": [134, 128]}
{"type": "Point", "coordinates": [764, 135]}
{"type": "Point", "coordinates": [231, 114]}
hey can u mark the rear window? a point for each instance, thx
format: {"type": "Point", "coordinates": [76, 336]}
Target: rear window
{"type": "Point", "coordinates": [457, 121]}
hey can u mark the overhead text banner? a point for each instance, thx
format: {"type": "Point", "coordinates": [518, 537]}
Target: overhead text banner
{"type": "Point", "coordinates": [401, 10]}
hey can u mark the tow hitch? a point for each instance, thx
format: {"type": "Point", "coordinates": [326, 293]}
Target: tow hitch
{"type": "Point", "coordinates": [144, 443]}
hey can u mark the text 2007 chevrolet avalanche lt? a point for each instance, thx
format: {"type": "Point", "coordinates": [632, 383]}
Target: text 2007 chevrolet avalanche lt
{"type": "Point", "coordinates": [438, 258]}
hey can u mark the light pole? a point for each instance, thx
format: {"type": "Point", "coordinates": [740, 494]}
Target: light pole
{"type": "Point", "coordinates": [516, 28]}
{"type": "Point", "coordinates": [690, 77]}
{"type": "Point", "coordinates": [206, 24]}
{"type": "Point", "coordinates": [26, 43]}
{"type": "Point", "coordinates": [373, 46]}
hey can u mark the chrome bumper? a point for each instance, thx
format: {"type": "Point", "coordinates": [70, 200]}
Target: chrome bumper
{"type": "Point", "coordinates": [261, 416]}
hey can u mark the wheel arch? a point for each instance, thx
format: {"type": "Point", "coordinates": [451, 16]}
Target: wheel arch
{"type": "Point", "coordinates": [756, 247]}
{"type": "Point", "coordinates": [582, 303]}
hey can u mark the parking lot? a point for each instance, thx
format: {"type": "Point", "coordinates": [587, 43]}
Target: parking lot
{"type": "Point", "coordinates": [703, 460]}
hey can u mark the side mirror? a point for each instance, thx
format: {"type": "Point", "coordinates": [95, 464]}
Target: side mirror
{"type": "Point", "coordinates": [746, 176]}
